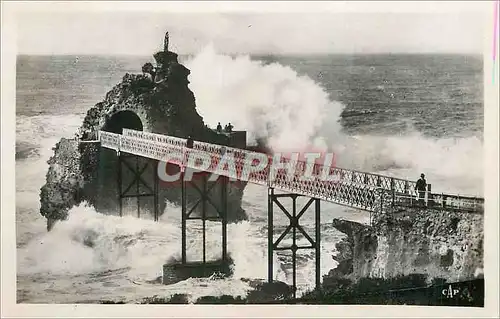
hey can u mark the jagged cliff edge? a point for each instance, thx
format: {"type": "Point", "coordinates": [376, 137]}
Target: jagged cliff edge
{"type": "Point", "coordinates": [438, 245]}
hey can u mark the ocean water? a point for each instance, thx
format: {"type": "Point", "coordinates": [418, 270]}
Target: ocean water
{"type": "Point", "coordinates": [398, 115]}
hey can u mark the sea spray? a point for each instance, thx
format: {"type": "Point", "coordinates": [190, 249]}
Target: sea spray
{"type": "Point", "coordinates": [41, 132]}
{"type": "Point", "coordinates": [270, 101]}
{"type": "Point", "coordinates": [93, 244]}
{"type": "Point", "coordinates": [452, 165]}
{"type": "Point", "coordinates": [294, 113]}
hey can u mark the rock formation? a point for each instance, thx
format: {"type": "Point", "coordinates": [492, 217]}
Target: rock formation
{"type": "Point", "coordinates": [437, 244]}
{"type": "Point", "coordinates": [157, 101]}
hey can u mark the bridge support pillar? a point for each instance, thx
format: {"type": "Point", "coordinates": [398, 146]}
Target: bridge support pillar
{"type": "Point", "coordinates": [293, 227]}
{"type": "Point", "coordinates": [203, 190]}
{"type": "Point", "coordinates": [136, 186]}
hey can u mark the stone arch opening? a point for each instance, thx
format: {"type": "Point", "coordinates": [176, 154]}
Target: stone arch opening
{"type": "Point", "coordinates": [123, 119]}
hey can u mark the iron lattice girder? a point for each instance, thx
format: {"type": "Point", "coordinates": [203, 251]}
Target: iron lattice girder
{"type": "Point", "coordinates": [294, 223]}
{"type": "Point", "coordinates": [137, 178]}
{"type": "Point", "coordinates": [293, 226]}
{"type": "Point", "coordinates": [204, 196]}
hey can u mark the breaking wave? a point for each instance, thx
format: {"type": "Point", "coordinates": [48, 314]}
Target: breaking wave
{"type": "Point", "coordinates": [96, 248]}
{"type": "Point", "coordinates": [275, 102]}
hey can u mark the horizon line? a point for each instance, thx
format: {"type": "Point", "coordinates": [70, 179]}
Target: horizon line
{"type": "Point", "coordinates": [261, 54]}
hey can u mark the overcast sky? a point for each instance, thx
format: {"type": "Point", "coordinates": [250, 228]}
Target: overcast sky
{"type": "Point", "coordinates": [136, 33]}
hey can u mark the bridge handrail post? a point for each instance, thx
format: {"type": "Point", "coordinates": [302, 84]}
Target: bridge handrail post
{"type": "Point", "coordinates": [183, 159]}
{"type": "Point", "coordinates": [393, 191]}
{"type": "Point", "coordinates": [268, 176]}
{"type": "Point", "coordinates": [428, 194]}
{"type": "Point", "coordinates": [270, 171]}
{"type": "Point", "coordinates": [381, 192]}
{"type": "Point", "coordinates": [119, 146]}
{"type": "Point", "coordinates": [411, 199]}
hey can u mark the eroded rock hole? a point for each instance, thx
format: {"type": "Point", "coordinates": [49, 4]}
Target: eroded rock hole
{"type": "Point", "coordinates": [121, 120]}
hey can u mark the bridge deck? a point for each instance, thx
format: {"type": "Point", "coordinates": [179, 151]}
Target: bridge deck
{"type": "Point", "coordinates": [348, 187]}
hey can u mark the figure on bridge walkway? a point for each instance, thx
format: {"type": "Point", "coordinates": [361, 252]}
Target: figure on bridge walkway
{"type": "Point", "coordinates": [219, 128]}
{"type": "Point", "coordinates": [228, 128]}
{"type": "Point", "coordinates": [421, 187]}
{"type": "Point", "coordinates": [189, 142]}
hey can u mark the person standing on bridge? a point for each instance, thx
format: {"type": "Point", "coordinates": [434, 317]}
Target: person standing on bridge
{"type": "Point", "coordinates": [421, 187]}
{"type": "Point", "coordinates": [219, 128]}
{"type": "Point", "coordinates": [189, 142]}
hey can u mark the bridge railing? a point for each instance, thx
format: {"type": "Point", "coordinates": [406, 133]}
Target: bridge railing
{"type": "Point", "coordinates": [275, 177]}
{"type": "Point", "coordinates": [171, 140]}
{"type": "Point", "coordinates": [238, 168]}
{"type": "Point", "coordinates": [441, 201]}
{"type": "Point", "coordinates": [110, 140]}
{"type": "Point", "coordinates": [353, 188]}
{"type": "Point", "coordinates": [278, 176]}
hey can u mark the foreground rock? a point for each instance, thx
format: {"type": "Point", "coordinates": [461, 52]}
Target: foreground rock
{"type": "Point", "coordinates": [407, 257]}
{"type": "Point", "coordinates": [412, 254]}
{"type": "Point", "coordinates": [437, 244]}
{"type": "Point", "coordinates": [157, 101]}
{"type": "Point", "coordinates": [262, 293]}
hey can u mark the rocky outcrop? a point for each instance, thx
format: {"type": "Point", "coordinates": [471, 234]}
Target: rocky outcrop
{"type": "Point", "coordinates": [66, 191]}
{"type": "Point", "coordinates": [439, 245]}
{"type": "Point", "coordinates": [261, 292]}
{"type": "Point", "coordinates": [159, 102]}
{"type": "Point", "coordinates": [175, 271]}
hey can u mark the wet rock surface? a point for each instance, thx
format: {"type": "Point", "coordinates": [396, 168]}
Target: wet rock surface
{"type": "Point", "coordinates": [262, 293]}
{"type": "Point", "coordinates": [436, 244]}
{"type": "Point", "coordinates": [160, 103]}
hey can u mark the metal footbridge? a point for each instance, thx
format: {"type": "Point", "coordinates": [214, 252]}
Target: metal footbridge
{"type": "Point", "coordinates": [359, 190]}
{"type": "Point", "coordinates": [348, 187]}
